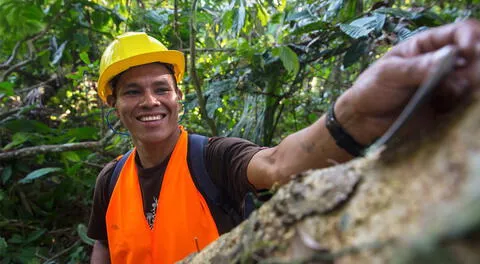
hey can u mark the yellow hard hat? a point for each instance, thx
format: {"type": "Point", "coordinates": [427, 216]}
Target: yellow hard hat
{"type": "Point", "coordinates": [132, 49]}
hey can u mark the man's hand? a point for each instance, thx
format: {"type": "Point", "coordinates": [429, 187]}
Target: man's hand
{"type": "Point", "coordinates": [382, 91]}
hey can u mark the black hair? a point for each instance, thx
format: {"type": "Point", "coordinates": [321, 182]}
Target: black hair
{"type": "Point", "coordinates": [113, 82]}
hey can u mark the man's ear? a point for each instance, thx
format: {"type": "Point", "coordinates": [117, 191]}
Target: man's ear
{"type": "Point", "coordinates": [111, 101]}
{"type": "Point", "coordinates": [179, 94]}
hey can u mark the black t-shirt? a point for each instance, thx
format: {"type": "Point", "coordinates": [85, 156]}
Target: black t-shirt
{"type": "Point", "coordinates": [226, 160]}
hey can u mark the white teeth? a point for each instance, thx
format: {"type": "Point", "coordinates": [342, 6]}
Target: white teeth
{"type": "Point", "coordinates": [151, 118]}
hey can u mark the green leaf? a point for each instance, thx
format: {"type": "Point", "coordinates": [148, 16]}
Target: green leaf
{"type": "Point", "coordinates": [3, 247]}
{"type": "Point", "coordinates": [314, 26]}
{"type": "Point", "coordinates": [35, 235]}
{"type": "Point", "coordinates": [304, 14]}
{"type": "Point", "coordinates": [84, 58]}
{"type": "Point", "coordinates": [363, 26]}
{"type": "Point", "coordinates": [404, 33]}
{"type": "Point", "coordinates": [262, 14]}
{"type": "Point", "coordinates": [24, 125]}
{"type": "Point", "coordinates": [333, 9]}
{"type": "Point", "coordinates": [6, 88]}
{"type": "Point", "coordinates": [37, 174]}
{"type": "Point", "coordinates": [82, 233]}
{"type": "Point", "coordinates": [16, 239]}
{"type": "Point", "coordinates": [71, 156]}
{"type": "Point", "coordinates": [82, 133]}
{"type": "Point", "coordinates": [17, 139]}
{"type": "Point", "coordinates": [59, 53]}
{"type": "Point", "coordinates": [6, 174]}
{"type": "Point", "coordinates": [354, 53]}
{"type": "Point", "coordinates": [240, 18]}
{"type": "Point", "coordinates": [227, 20]}
{"type": "Point", "coordinates": [288, 58]}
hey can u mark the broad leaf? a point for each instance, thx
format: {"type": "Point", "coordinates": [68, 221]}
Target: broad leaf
{"type": "Point", "coordinates": [3, 247]}
{"type": "Point", "coordinates": [318, 25]}
{"type": "Point", "coordinates": [17, 139]}
{"type": "Point", "coordinates": [240, 18]}
{"type": "Point", "coordinates": [84, 58]}
{"type": "Point", "coordinates": [24, 125]}
{"type": "Point", "coordinates": [333, 9]}
{"type": "Point", "coordinates": [6, 88]}
{"type": "Point", "coordinates": [363, 26]}
{"type": "Point", "coordinates": [35, 235]}
{"type": "Point", "coordinates": [82, 233]}
{"type": "Point", "coordinates": [354, 53]}
{"type": "Point", "coordinates": [262, 14]}
{"type": "Point", "coordinates": [6, 174]}
{"type": "Point", "coordinates": [288, 58]}
{"type": "Point", "coordinates": [59, 53]}
{"type": "Point", "coordinates": [37, 174]}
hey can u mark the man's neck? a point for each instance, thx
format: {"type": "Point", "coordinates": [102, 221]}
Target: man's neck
{"type": "Point", "coordinates": [151, 155]}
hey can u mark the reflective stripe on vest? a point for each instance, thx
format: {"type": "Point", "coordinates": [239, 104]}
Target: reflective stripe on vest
{"type": "Point", "coordinates": [183, 220]}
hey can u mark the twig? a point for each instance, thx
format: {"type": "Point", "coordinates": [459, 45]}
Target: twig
{"type": "Point", "coordinates": [63, 252]}
{"type": "Point", "coordinates": [210, 50]}
{"type": "Point", "coordinates": [30, 151]}
{"type": "Point", "coordinates": [14, 67]}
{"type": "Point", "coordinates": [9, 60]}
{"type": "Point", "coordinates": [93, 164]}
{"type": "Point", "coordinates": [26, 89]}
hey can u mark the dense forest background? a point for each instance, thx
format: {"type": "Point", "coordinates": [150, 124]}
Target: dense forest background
{"type": "Point", "coordinates": [255, 69]}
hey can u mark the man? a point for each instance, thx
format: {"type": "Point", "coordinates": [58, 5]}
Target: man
{"type": "Point", "coordinates": [157, 214]}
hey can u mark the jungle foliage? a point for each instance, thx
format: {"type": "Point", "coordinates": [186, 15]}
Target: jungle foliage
{"type": "Point", "coordinates": [256, 69]}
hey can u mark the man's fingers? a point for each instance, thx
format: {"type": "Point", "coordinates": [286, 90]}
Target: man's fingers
{"type": "Point", "coordinates": [464, 35]}
{"type": "Point", "coordinates": [412, 72]}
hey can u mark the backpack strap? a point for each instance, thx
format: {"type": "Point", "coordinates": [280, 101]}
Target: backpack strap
{"type": "Point", "coordinates": [196, 154]}
{"type": "Point", "coordinates": [196, 163]}
{"type": "Point", "coordinates": [112, 180]}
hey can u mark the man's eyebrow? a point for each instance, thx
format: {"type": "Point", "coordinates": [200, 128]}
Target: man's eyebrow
{"type": "Point", "coordinates": [132, 85]}
{"type": "Point", "coordinates": [161, 82]}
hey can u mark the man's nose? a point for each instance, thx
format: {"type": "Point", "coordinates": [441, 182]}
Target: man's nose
{"type": "Point", "coordinates": [150, 99]}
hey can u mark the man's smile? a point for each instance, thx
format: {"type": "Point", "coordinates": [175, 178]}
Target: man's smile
{"type": "Point", "coordinates": [150, 118]}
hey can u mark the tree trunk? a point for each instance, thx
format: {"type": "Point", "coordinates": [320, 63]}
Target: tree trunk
{"type": "Point", "coordinates": [413, 203]}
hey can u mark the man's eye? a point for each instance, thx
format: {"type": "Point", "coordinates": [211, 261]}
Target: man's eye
{"type": "Point", "coordinates": [162, 90]}
{"type": "Point", "coordinates": [131, 92]}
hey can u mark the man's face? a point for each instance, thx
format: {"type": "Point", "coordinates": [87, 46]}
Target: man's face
{"type": "Point", "coordinates": [147, 103]}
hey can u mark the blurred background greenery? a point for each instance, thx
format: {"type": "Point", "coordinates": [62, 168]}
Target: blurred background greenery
{"type": "Point", "coordinates": [256, 69]}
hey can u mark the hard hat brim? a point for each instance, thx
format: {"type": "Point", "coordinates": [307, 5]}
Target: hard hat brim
{"type": "Point", "coordinates": [176, 58]}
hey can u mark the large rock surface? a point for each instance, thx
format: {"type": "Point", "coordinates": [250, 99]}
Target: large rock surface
{"type": "Point", "coordinates": [418, 202]}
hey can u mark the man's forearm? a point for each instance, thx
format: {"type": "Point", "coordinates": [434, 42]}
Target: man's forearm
{"type": "Point", "coordinates": [312, 147]}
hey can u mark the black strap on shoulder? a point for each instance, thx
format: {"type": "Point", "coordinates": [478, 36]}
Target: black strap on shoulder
{"type": "Point", "coordinates": [196, 154]}
{"type": "Point", "coordinates": [116, 172]}
{"type": "Point", "coordinates": [196, 163]}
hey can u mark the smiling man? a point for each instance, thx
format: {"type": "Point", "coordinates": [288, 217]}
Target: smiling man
{"type": "Point", "coordinates": [175, 193]}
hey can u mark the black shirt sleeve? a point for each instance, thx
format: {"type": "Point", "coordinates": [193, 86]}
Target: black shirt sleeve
{"type": "Point", "coordinates": [227, 159]}
{"type": "Point", "coordinates": [97, 228]}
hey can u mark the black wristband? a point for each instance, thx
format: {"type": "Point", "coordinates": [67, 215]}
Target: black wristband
{"type": "Point", "coordinates": [341, 137]}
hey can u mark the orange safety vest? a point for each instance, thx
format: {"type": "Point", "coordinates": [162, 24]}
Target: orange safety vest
{"type": "Point", "coordinates": [183, 222]}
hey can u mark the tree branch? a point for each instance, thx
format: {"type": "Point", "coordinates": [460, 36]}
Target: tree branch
{"type": "Point", "coordinates": [9, 60]}
{"type": "Point", "coordinates": [193, 73]}
{"type": "Point", "coordinates": [31, 151]}
{"type": "Point", "coordinates": [210, 50]}
{"type": "Point", "coordinates": [14, 67]}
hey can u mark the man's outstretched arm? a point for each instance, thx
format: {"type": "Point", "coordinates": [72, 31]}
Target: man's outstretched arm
{"type": "Point", "coordinates": [376, 99]}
